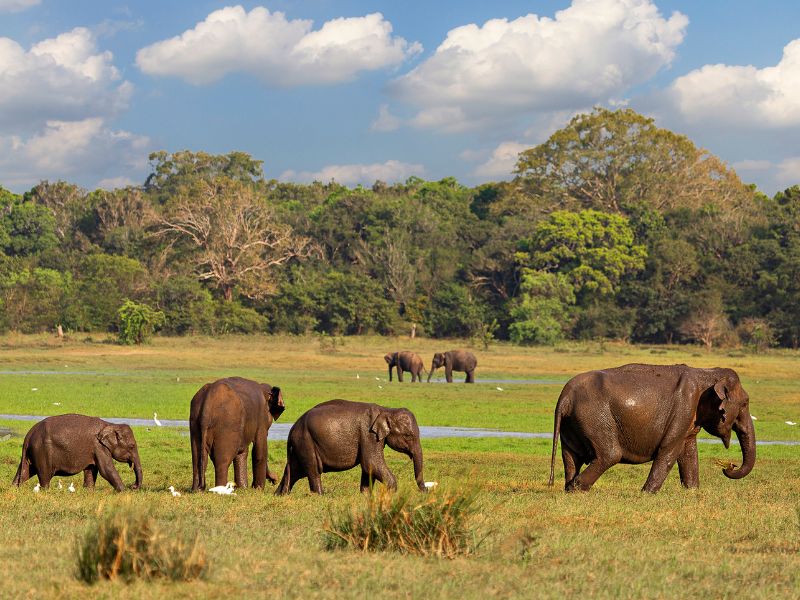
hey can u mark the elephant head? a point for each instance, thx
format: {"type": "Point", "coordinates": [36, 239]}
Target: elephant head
{"type": "Point", "coordinates": [725, 407]}
{"type": "Point", "coordinates": [399, 429]}
{"type": "Point", "coordinates": [439, 360]}
{"type": "Point", "coordinates": [391, 359]}
{"type": "Point", "coordinates": [119, 441]}
{"type": "Point", "coordinates": [275, 402]}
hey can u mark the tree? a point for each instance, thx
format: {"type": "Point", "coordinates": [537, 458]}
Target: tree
{"type": "Point", "coordinates": [231, 237]}
{"type": "Point", "coordinates": [593, 249]}
{"type": "Point", "coordinates": [542, 312]}
{"type": "Point", "coordinates": [137, 322]}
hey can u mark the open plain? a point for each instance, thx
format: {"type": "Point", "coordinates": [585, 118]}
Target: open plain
{"type": "Point", "coordinates": [729, 538]}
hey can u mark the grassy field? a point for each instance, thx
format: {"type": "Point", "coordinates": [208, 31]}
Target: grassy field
{"type": "Point", "coordinates": [728, 538]}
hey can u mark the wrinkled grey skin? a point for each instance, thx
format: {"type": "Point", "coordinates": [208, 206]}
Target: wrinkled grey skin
{"type": "Point", "coordinates": [455, 360]}
{"type": "Point", "coordinates": [225, 417]}
{"type": "Point", "coordinates": [68, 444]}
{"type": "Point", "coordinates": [640, 413]}
{"type": "Point", "coordinates": [339, 435]}
{"type": "Point", "coordinates": [405, 361]}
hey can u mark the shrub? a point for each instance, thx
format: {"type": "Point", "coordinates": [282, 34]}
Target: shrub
{"type": "Point", "coordinates": [127, 544]}
{"type": "Point", "coordinates": [137, 322]}
{"type": "Point", "coordinates": [433, 525]}
{"type": "Point", "coordinates": [757, 333]}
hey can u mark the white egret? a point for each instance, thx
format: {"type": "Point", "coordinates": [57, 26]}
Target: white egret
{"type": "Point", "coordinates": [431, 484]}
{"type": "Point", "coordinates": [377, 379]}
{"type": "Point", "coordinates": [174, 493]}
{"type": "Point", "coordinates": [36, 488]}
{"type": "Point", "coordinates": [499, 389]}
{"type": "Point", "coordinates": [61, 487]}
{"type": "Point", "coordinates": [380, 387]}
{"type": "Point", "coordinates": [225, 490]}
{"type": "Point", "coordinates": [155, 418]}
{"type": "Point", "coordinates": [755, 418]}
{"type": "Point", "coordinates": [71, 488]}
{"type": "Point", "coordinates": [34, 389]}
{"type": "Point", "coordinates": [358, 376]}
{"type": "Point", "coordinates": [790, 422]}
{"type": "Point", "coordinates": [56, 403]}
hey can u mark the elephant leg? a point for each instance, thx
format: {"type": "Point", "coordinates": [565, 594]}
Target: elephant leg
{"type": "Point", "coordinates": [448, 374]}
{"type": "Point", "coordinates": [315, 483]}
{"type": "Point", "coordinates": [687, 464]}
{"type": "Point", "coordinates": [470, 377]}
{"type": "Point", "coordinates": [584, 480]}
{"type": "Point", "coordinates": [414, 376]}
{"type": "Point", "coordinates": [105, 465]}
{"type": "Point", "coordinates": [195, 442]}
{"type": "Point", "coordinates": [399, 374]}
{"type": "Point", "coordinates": [572, 464]}
{"type": "Point", "coordinates": [240, 470]}
{"type": "Point", "coordinates": [366, 480]}
{"type": "Point", "coordinates": [221, 466]}
{"type": "Point", "coordinates": [379, 471]}
{"type": "Point", "coordinates": [662, 464]}
{"type": "Point", "coordinates": [89, 476]}
{"type": "Point", "coordinates": [260, 455]}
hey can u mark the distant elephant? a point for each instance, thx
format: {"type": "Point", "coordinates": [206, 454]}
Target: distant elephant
{"type": "Point", "coordinates": [339, 435]}
{"type": "Point", "coordinates": [639, 413]}
{"type": "Point", "coordinates": [455, 360]}
{"type": "Point", "coordinates": [224, 419]}
{"type": "Point", "coordinates": [405, 361]}
{"type": "Point", "coordinates": [68, 444]}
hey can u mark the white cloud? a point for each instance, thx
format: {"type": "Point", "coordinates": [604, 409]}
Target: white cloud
{"type": "Point", "coordinates": [114, 183]}
{"type": "Point", "coordinates": [354, 174]}
{"type": "Point", "coordinates": [277, 50]}
{"type": "Point", "coordinates": [66, 150]}
{"type": "Point", "coordinates": [385, 120]}
{"type": "Point", "coordinates": [63, 78]}
{"type": "Point", "coordinates": [502, 161]}
{"type": "Point", "coordinates": [743, 96]}
{"type": "Point", "coordinates": [591, 52]}
{"type": "Point", "coordinates": [17, 5]}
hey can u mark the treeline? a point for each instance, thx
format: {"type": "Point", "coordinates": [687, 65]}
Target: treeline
{"type": "Point", "coordinates": [613, 228]}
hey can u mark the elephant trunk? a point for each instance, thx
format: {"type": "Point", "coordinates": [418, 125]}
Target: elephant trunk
{"type": "Point", "coordinates": [137, 470]}
{"type": "Point", "coordinates": [416, 456]}
{"type": "Point", "coordinates": [745, 432]}
{"type": "Point", "coordinates": [433, 368]}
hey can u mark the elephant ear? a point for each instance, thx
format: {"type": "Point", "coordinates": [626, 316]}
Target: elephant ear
{"type": "Point", "coordinates": [388, 358]}
{"type": "Point", "coordinates": [380, 426]}
{"type": "Point", "coordinates": [721, 389]}
{"type": "Point", "coordinates": [109, 437]}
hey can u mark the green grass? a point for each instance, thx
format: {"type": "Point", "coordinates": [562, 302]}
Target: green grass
{"type": "Point", "coordinates": [726, 539]}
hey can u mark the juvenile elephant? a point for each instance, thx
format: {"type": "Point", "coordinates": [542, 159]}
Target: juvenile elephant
{"type": "Point", "coordinates": [455, 360]}
{"type": "Point", "coordinates": [405, 361]}
{"type": "Point", "coordinates": [339, 435]}
{"type": "Point", "coordinates": [224, 419]}
{"type": "Point", "coordinates": [639, 413]}
{"type": "Point", "coordinates": [68, 444]}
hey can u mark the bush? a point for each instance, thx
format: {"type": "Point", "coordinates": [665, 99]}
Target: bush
{"type": "Point", "coordinates": [188, 307]}
{"type": "Point", "coordinates": [432, 525]}
{"type": "Point", "coordinates": [757, 333]}
{"type": "Point", "coordinates": [232, 317]}
{"type": "Point", "coordinates": [452, 312]}
{"type": "Point", "coordinates": [137, 322]}
{"type": "Point", "coordinates": [127, 544]}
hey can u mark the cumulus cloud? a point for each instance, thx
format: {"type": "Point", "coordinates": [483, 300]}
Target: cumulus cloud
{"type": "Point", "coordinates": [354, 174]}
{"type": "Point", "coordinates": [385, 121]}
{"type": "Point", "coordinates": [279, 51]}
{"type": "Point", "coordinates": [64, 78]}
{"type": "Point", "coordinates": [69, 150]}
{"type": "Point", "coordinates": [17, 5]}
{"type": "Point", "coordinates": [590, 52]}
{"type": "Point", "coordinates": [502, 161]}
{"type": "Point", "coordinates": [741, 95]}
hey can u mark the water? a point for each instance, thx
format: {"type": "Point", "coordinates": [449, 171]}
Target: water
{"type": "Point", "coordinates": [280, 431]}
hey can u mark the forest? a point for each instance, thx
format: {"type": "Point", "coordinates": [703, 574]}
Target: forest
{"type": "Point", "coordinates": [611, 229]}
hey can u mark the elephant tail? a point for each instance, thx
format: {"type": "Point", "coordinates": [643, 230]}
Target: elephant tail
{"type": "Point", "coordinates": [556, 434]}
{"type": "Point", "coordinates": [23, 470]}
{"type": "Point", "coordinates": [284, 486]}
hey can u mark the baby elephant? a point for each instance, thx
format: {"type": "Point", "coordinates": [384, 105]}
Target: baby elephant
{"type": "Point", "coordinates": [69, 444]}
{"type": "Point", "coordinates": [405, 361]}
{"type": "Point", "coordinates": [455, 360]}
{"type": "Point", "coordinates": [338, 435]}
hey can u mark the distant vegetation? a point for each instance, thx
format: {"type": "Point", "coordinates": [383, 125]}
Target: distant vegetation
{"type": "Point", "coordinates": [612, 228]}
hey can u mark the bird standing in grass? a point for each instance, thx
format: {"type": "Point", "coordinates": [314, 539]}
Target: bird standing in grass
{"type": "Point", "coordinates": [224, 490]}
{"type": "Point", "coordinates": [155, 418]}
{"type": "Point", "coordinates": [61, 487]}
{"type": "Point", "coordinates": [36, 488]}
{"type": "Point", "coordinates": [175, 494]}
{"type": "Point", "coordinates": [71, 488]}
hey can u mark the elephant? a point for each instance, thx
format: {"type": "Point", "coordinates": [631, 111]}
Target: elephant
{"type": "Point", "coordinates": [338, 435]}
{"type": "Point", "coordinates": [225, 417]}
{"type": "Point", "coordinates": [455, 360]}
{"type": "Point", "coordinates": [405, 361]}
{"type": "Point", "coordinates": [68, 444]}
{"type": "Point", "coordinates": [639, 413]}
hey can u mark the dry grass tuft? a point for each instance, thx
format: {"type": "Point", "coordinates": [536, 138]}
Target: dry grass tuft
{"type": "Point", "coordinates": [437, 524]}
{"type": "Point", "coordinates": [127, 544]}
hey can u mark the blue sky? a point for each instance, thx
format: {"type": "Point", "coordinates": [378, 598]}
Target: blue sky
{"type": "Point", "coordinates": [358, 91]}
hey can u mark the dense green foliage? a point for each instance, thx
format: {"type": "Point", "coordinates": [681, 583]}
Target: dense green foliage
{"type": "Point", "coordinates": [612, 228]}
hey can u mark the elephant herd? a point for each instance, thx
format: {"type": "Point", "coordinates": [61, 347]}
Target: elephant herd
{"type": "Point", "coordinates": [631, 414]}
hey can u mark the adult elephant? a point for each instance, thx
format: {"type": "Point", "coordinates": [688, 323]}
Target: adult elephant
{"type": "Point", "coordinates": [68, 444]}
{"type": "Point", "coordinates": [640, 413]}
{"type": "Point", "coordinates": [455, 360]}
{"type": "Point", "coordinates": [405, 361]}
{"type": "Point", "coordinates": [339, 435]}
{"type": "Point", "coordinates": [225, 417]}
